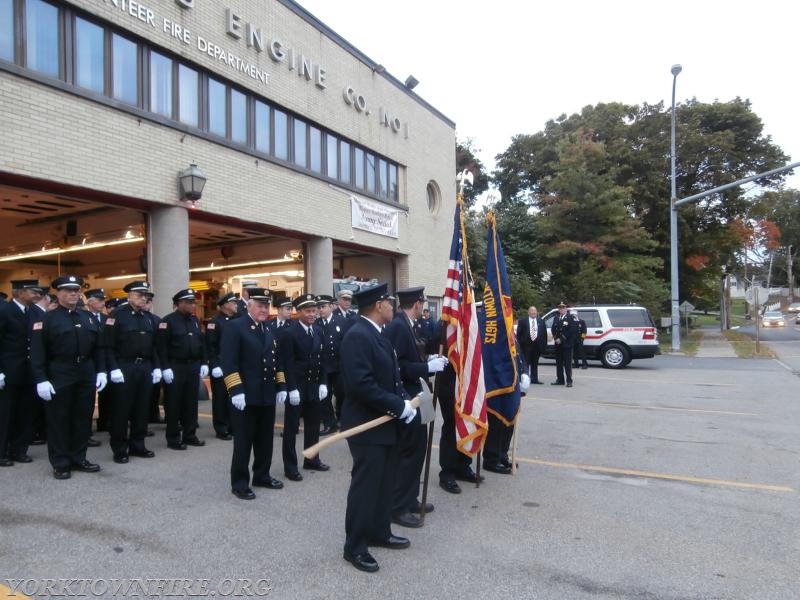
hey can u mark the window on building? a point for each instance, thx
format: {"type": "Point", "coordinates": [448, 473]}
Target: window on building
{"type": "Point", "coordinates": [41, 38]}
{"type": "Point", "coordinates": [315, 149]}
{"type": "Point", "coordinates": [434, 197]}
{"type": "Point", "coordinates": [90, 52]}
{"type": "Point", "coordinates": [217, 108]}
{"type": "Point", "coordinates": [7, 30]}
{"type": "Point", "coordinates": [358, 168]}
{"type": "Point", "coordinates": [371, 166]}
{"type": "Point", "coordinates": [262, 127]}
{"type": "Point", "coordinates": [281, 135]}
{"type": "Point", "coordinates": [160, 84]}
{"type": "Point", "coordinates": [331, 156]}
{"type": "Point", "coordinates": [300, 129]}
{"type": "Point", "coordinates": [393, 192]}
{"type": "Point", "coordinates": [238, 117]}
{"type": "Point", "coordinates": [383, 178]}
{"type": "Point", "coordinates": [125, 70]}
{"type": "Point", "coordinates": [188, 96]}
{"type": "Point", "coordinates": [344, 162]}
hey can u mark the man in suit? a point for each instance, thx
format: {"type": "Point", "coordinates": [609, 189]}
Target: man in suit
{"type": "Point", "coordinates": [17, 391]}
{"type": "Point", "coordinates": [373, 388]}
{"type": "Point", "coordinates": [566, 330]}
{"type": "Point", "coordinates": [283, 305]}
{"type": "Point", "coordinates": [96, 308]}
{"type": "Point", "coordinates": [183, 364]}
{"type": "Point", "coordinates": [220, 402]}
{"type": "Point", "coordinates": [532, 336]}
{"type": "Point", "coordinates": [68, 365]}
{"type": "Point", "coordinates": [301, 350]}
{"type": "Point", "coordinates": [411, 358]}
{"type": "Point", "coordinates": [250, 359]}
{"type": "Point", "coordinates": [332, 327]}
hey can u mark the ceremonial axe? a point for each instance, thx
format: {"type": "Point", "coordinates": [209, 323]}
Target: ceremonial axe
{"type": "Point", "coordinates": [422, 402]}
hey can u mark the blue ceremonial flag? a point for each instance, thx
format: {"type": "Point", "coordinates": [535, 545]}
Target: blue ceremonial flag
{"type": "Point", "coordinates": [499, 348]}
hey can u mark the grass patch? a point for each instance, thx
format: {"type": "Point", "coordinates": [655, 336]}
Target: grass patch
{"type": "Point", "coordinates": [745, 346]}
{"type": "Point", "coordinates": [689, 344]}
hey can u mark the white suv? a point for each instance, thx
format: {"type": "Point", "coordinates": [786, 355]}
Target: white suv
{"type": "Point", "coordinates": [615, 333]}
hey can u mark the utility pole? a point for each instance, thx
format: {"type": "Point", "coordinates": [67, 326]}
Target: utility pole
{"type": "Point", "coordinates": [791, 274]}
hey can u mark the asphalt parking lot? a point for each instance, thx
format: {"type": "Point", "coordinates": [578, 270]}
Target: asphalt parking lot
{"type": "Point", "coordinates": [673, 478]}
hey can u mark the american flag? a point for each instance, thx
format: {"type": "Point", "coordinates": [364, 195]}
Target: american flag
{"type": "Point", "coordinates": [464, 343]}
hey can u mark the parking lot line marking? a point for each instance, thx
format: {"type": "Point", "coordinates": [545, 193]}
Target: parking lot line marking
{"type": "Point", "coordinates": [652, 475]}
{"type": "Point", "coordinates": [661, 382]}
{"type": "Point", "coordinates": [667, 408]}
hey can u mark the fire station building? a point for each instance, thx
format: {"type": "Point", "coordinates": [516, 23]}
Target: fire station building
{"type": "Point", "coordinates": [207, 143]}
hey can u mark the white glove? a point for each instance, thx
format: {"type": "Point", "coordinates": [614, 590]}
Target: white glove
{"type": "Point", "coordinates": [409, 412]}
{"type": "Point", "coordinates": [167, 375]}
{"type": "Point", "coordinates": [2, 380]}
{"type": "Point", "coordinates": [203, 371]}
{"type": "Point", "coordinates": [524, 382]}
{"type": "Point", "coordinates": [157, 375]}
{"type": "Point", "coordinates": [294, 397]}
{"type": "Point", "coordinates": [117, 376]}
{"type": "Point", "coordinates": [437, 364]}
{"type": "Point", "coordinates": [101, 382]}
{"type": "Point", "coordinates": [216, 372]}
{"type": "Point", "coordinates": [238, 401]}
{"type": "Point", "coordinates": [323, 391]}
{"type": "Point", "coordinates": [280, 397]}
{"type": "Point", "coordinates": [45, 390]}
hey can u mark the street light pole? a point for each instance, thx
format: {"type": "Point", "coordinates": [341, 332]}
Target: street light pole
{"type": "Point", "coordinates": [673, 229]}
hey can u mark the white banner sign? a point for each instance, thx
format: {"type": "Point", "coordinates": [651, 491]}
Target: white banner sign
{"type": "Point", "coordinates": [374, 217]}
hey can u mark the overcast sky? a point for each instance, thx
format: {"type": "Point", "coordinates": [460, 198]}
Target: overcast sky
{"type": "Point", "coordinates": [506, 67]}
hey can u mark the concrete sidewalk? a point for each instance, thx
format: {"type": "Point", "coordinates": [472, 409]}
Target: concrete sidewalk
{"type": "Point", "coordinates": [715, 345]}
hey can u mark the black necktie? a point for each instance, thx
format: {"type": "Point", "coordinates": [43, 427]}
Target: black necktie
{"type": "Point", "coordinates": [310, 333]}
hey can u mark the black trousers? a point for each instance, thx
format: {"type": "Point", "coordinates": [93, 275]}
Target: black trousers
{"type": "Point", "coordinates": [131, 405]}
{"type": "Point", "coordinates": [411, 446]}
{"type": "Point", "coordinates": [532, 356]}
{"type": "Point", "coordinates": [498, 441]}
{"type": "Point", "coordinates": [253, 429]}
{"type": "Point", "coordinates": [69, 422]}
{"type": "Point", "coordinates": [368, 516]}
{"type": "Point", "coordinates": [17, 405]}
{"type": "Point", "coordinates": [180, 402]}
{"type": "Point", "coordinates": [329, 415]}
{"type": "Point", "coordinates": [105, 405]}
{"type": "Point", "coordinates": [154, 414]}
{"type": "Point", "coordinates": [563, 363]}
{"type": "Point", "coordinates": [579, 353]}
{"type": "Point", "coordinates": [309, 410]}
{"type": "Point", "coordinates": [220, 406]}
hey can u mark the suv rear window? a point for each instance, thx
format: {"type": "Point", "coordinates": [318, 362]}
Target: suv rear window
{"type": "Point", "coordinates": [629, 317]}
{"type": "Point", "coordinates": [591, 318]}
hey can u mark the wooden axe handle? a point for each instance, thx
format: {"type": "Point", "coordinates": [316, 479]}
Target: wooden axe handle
{"type": "Point", "coordinates": [312, 451]}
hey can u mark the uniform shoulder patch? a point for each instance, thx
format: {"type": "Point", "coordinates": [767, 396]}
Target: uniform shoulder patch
{"type": "Point", "coordinates": [110, 321]}
{"type": "Point", "coordinates": [38, 325]}
{"type": "Point", "coordinates": [211, 326]}
{"type": "Point", "coordinates": [162, 325]}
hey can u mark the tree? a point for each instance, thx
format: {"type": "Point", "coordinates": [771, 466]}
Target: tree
{"type": "Point", "coordinates": [466, 160]}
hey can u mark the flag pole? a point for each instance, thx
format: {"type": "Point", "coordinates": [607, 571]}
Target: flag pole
{"type": "Point", "coordinates": [514, 442]}
{"type": "Point", "coordinates": [429, 448]}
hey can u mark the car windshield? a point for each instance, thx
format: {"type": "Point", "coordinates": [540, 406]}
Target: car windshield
{"type": "Point", "coordinates": [772, 315]}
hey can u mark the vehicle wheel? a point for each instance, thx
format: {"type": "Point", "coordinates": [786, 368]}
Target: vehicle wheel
{"type": "Point", "coordinates": [614, 356]}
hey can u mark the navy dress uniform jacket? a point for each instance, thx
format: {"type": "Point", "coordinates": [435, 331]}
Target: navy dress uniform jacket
{"type": "Point", "coordinates": [409, 356]}
{"type": "Point", "coordinates": [373, 386]}
{"type": "Point", "coordinates": [302, 359]}
{"type": "Point", "coordinates": [332, 335]}
{"type": "Point", "coordinates": [213, 337]}
{"type": "Point", "coordinates": [250, 362]}
{"type": "Point", "coordinates": [15, 333]}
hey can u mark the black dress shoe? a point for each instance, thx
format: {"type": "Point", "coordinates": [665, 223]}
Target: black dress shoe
{"type": "Point", "coordinates": [93, 443]}
{"type": "Point", "coordinates": [468, 476]}
{"type": "Point", "coordinates": [21, 458]}
{"type": "Point", "coordinates": [176, 446]}
{"type": "Point", "coordinates": [142, 453]}
{"type": "Point", "coordinates": [294, 476]}
{"type": "Point", "coordinates": [194, 442]}
{"type": "Point", "coordinates": [362, 562]}
{"type": "Point", "coordinates": [61, 474]}
{"type": "Point", "coordinates": [38, 442]}
{"type": "Point", "coordinates": [86, 467]}
{"type": "Point", "coordinates": [149, 434]}
{"type": "Point", "coordinates": [585, 367]}
{"type": "Point", "coordinates": [393, 542]}
{"type": "Point", "coordinates": [418, 508]}
{"type": "Point", "coordinates": [6, 462]}
{"type": "Point", "coordinates": [569, 384]}
{"type": "Point", "coordinates": [498, 468]}
{"type": "Point", "coordinates": [538, 382]}
{"type": "Point", "coordinates": [315, 465]}
{"type": "Point", "coordinates": [324, 430]}
{"type": "Point", "coordinates": [245, 494]}
{"type": "Point", "coordinates": [407, 520]}
{"type": "Point", "coordinates": [556, 383]}
{"type": "Point", "coordinates": [224, 436]}
{"type": "Point", "coordinates": [450, 486]}
{"type": "Point", "coordinates": [271, 483]}
{"type": "Point", "coordinates": [121, 458]}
